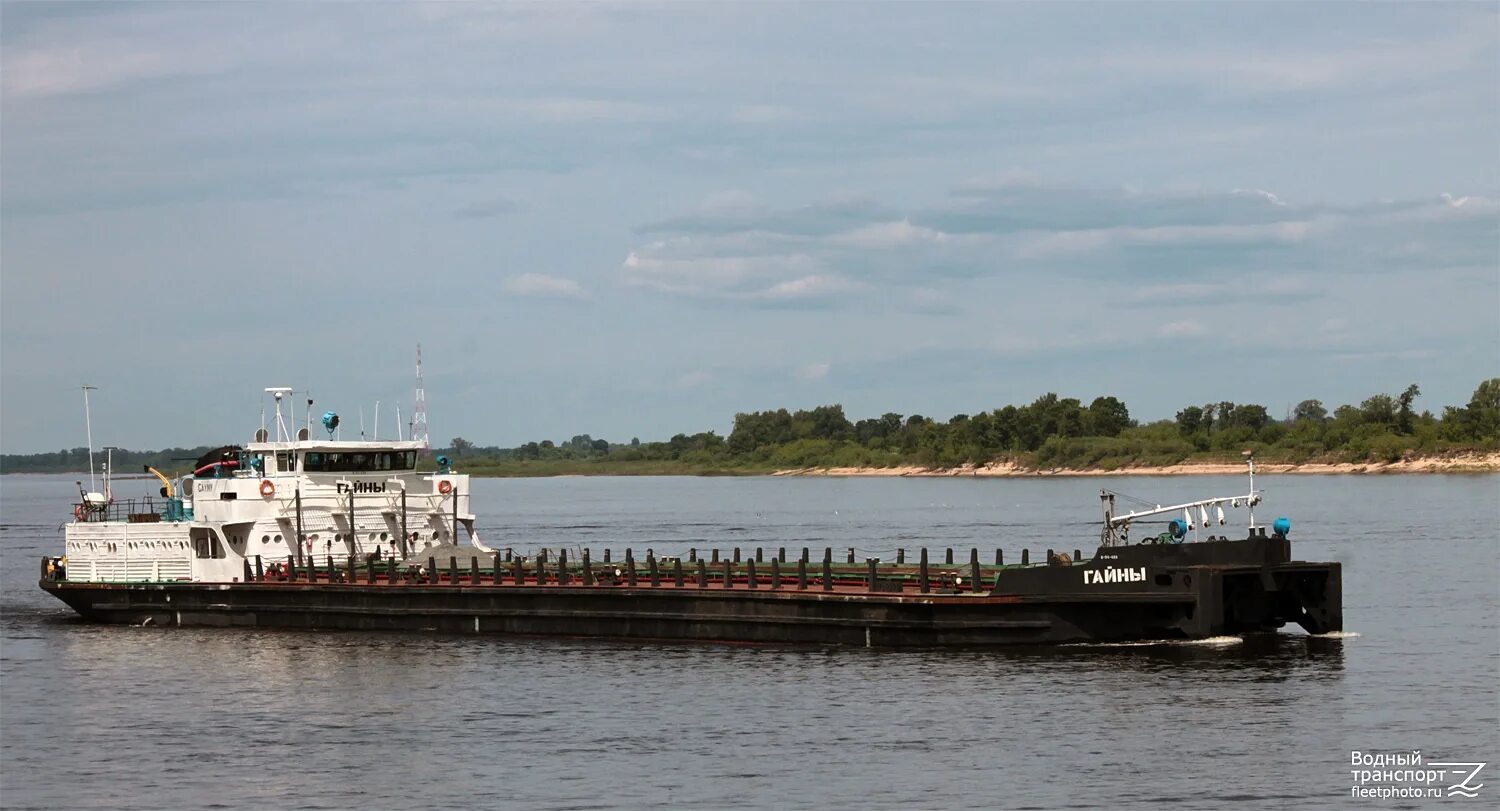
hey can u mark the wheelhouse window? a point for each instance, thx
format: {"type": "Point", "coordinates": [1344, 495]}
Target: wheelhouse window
{"type": "Point", "coordinates": [358, 461]}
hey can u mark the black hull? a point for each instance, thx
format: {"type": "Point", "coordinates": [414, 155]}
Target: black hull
{"type": "Point", "coordinates": [1184, 592]}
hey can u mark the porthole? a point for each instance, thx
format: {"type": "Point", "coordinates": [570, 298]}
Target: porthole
{"type": "Point", "coordinates": [372, 537]}
{"type": "Point", "coordinates": [278, 539]}
{"type": "Point", "coordinates": [384, 537]}
{"type": "Point", "coordinates": [267, 538]}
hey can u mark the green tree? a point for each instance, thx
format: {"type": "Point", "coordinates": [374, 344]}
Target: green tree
{"type": "Point", "coordinates": [1189, 420]}
{"type": "Point", "coordinates": [1106, 416]}
{"type": "Point", "coordinates": [460, 445]}
{"type": "Point", "coordinates": [1379, 408]}
{"type": "Point", "coordinates": [1310, 411]}
{"type": "Point", "coordinates": [1403, 408]}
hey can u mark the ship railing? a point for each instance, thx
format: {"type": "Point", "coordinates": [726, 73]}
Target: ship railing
{"type": "Point", "coordinates": [145, 510]}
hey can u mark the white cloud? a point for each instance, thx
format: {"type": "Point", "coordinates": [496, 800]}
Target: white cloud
{"type": "Point", "coordinates": [897, 234]}
{"type": "Point", "coordinates": [772, 276]}
{"type": "Point", "coordinates": [542, 286]}
{"type": "Point", "coordinates": [805, 287]}
{"type": "Point", "coordinates": [1070, 242]}
{"type": "Point", "coordinates": [1181, 329]}
{"type": "Point", "coordinates": [694, 379]}
{"type": "Point", "coordinates": [815, 371]}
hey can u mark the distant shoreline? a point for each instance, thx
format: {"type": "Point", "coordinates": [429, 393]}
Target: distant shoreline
{"type": "Point", "coordinates": [1477, 462]}
{"type": "Point", "coordinates": [1462, 463]}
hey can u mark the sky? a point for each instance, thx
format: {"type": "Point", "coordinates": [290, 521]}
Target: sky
{"type": "Point", "coordinates": [637, 219]}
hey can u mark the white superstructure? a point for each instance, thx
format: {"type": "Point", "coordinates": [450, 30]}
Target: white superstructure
{"type": "Point", "coordinates": [300, 500]}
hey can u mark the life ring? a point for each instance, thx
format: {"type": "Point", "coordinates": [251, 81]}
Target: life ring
{"type": "Point", "coordinates": [267, 488]}
{"type": "Point", "coordinates": [445, 487]}
{"type": "Point", "coordinates": [78, 511]}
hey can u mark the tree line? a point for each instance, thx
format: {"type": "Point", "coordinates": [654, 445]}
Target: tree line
{"type": "Point", "coordinates": [1049, 432]}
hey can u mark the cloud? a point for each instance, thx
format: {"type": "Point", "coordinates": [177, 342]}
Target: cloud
{"type": "Point", "coordinates": [1190, 246]}
{"type": "Point", "coordinates": [893, 234]}
{"type": "Point", "coordinates": [815, 371]}
{"type": "Point", "coordinates": [804, 288]}
{"type": "Point", "coordinates": [541, 285]}
{"type": "Point", "coordinates": [769, 276]}
{"type": "Point", "coordinates": [693, 379]}
{"type": "Point", "coordinates": [1181, 329]}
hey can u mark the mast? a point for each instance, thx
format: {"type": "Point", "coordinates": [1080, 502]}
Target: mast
{"type": "Point", "coordinates": [419, 413]}
{"type": "Point", "coordinates": [88, 425]}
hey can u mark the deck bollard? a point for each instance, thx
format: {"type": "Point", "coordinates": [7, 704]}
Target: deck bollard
{"type": "Point", "coordinates": [473, 570]}
{"type": "Point", "coordinates": [517, 573]}
{"type": "Point", "coordinates": [1025, 557]}
{"type": "Point", "coordinates": [562, 567]}
{"type": "Point", "coordinates": [453, 570]}
{"type": "Point", "coordinates": [693, 555]}
{"type": "Point", "coordinates": [974, 578]}
{"type": "Point", "coordinates": [900, 556]}
{"type": "Point", "coordinates": [291, 568]}
{"type": "Point", "coordinates": [736, 555]}
{"type": "Point", "coordinates": [606, 554]}
{"type": "Point", "coordinates": [655, 570]}
{"type": "Point", "coordinates": [999, 558]}
{"type": "Point", "coordinates": [677, 572]}
{"type": "Point", "coordinates": [827, 574]}
{"type": "Point", "coordinates": [1077, 555]}
{"type": "Point", "coordinates": [370, 573]}
{"type": "Point", "coordinates": [333, 571]}
{"type": "Point", "coordinates": [948, 559]}
{"type": "Point", "coordinates": [249, 573]}
{"type": "Point", "coordinates": [353, 569]}
{"type": "Point", "coordinates": [260, 572]}
{"type": "Point", "coordinates": [775, 573]}
{"type": "Point", "coordinates": [507, 554]}
{"type": "Point", "coordinates": [588, 569]}
{"type": "Point", "coordinates": [728, 575]}
{"type": "Point", "coordinates": [702, 574]}
{"type": "Point", "coordinates": [851, 554]}
{"type": "Point", "coordinates": [924, 585]}
{"type": "Point", "coordinates": [870, 575]}
{"type": "Point", "coordinates": [802, 573]}
{"type": "Point", "coordinates": [758, 558]}
{"type": "Point", "coordinates": [541, 569]}
{"type": "Point", "coordinates": [750, 574]}
{"type": "Point", "coordinates": [715, 560]}
{"type": "Point", "coordinates": [498, 575]}
{"type": "Point", "coordinates": [805, 556]}
{"type": "Point", "coordinates": [390, 570]}
{"type": "Point", "coordinates": [630, 568]}
{"type": "Point", "coordinates": [1051, 558]}
{"type": "Point", "coordinates": [781, 554]}
{"type": "Point", "coordinates": [432, 569]}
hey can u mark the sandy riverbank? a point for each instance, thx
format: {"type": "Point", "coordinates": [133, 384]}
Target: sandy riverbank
{"type": "Point", "coordinates": [1456, 463]}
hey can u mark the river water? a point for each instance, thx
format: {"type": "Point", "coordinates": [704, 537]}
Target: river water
{"type": "Point", "coordinates": [149, 718]}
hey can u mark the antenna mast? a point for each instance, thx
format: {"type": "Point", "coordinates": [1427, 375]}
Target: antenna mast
{"type": "Point", "coordinates": [88, 425]}
{"type": "Point", "coordinates": [419, 413]}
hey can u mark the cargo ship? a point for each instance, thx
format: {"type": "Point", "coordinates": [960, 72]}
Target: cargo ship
{"type": "Point", "coordinates": [291, 531]}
